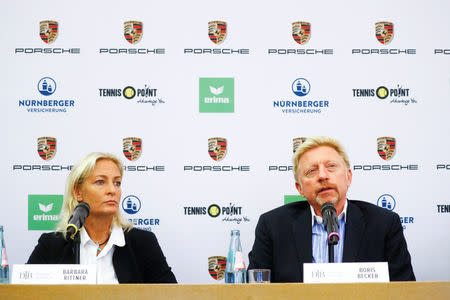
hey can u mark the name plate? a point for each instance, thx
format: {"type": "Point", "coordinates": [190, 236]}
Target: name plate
{"type": "Point", "coordinates": [345, 272]}
{"type": "Point", "coordinates": [54, 274]}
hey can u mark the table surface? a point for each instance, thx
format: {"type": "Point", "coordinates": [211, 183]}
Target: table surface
{"type": "Point", "coordinates": [279, 291]}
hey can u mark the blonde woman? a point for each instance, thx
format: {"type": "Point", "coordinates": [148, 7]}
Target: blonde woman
{"type": "Point", "coordinates": [123, 254]}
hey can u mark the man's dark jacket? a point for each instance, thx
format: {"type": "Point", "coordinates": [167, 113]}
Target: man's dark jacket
{"type": "Point", "coordinates": [283, 240]}
{"type": "Point", "coordinates": [140, 261]}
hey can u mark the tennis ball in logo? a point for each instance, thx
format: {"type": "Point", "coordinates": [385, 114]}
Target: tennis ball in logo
{"type": "Point", "coordinates": [213, 210]}
{"type": "Point", "coordinates": [382, 92]}
{"type": "Point", "coordinates": [129, 92]}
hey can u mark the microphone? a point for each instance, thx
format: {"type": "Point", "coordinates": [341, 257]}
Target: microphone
{"type": "Point", "coordinates": [76, 221]}
{"type": "Point", "coordinates": [330, 222]}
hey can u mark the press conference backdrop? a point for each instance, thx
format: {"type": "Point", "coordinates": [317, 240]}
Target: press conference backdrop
{"type": "Point", "coordinates": [204, 114]}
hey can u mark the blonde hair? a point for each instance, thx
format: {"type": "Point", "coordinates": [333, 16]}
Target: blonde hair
{"type": "Point", "coordinates": [76, 178]}
{"type": "Point", "coordinates": [314, 142]}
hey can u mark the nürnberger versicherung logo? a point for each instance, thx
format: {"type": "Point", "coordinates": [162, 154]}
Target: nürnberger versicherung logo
{"type": "Point", "coordinates": [301, 87]}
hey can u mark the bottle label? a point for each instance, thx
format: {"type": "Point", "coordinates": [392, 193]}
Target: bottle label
{"type": "Point", "coordinates": [239, 263]}
{"type": "Point", "coordinates": [4, 258]}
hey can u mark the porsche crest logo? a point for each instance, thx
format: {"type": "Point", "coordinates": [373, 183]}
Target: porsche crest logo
{"type": "Point", "coordinates": [216, 266]}
{"type": "Point", "coordinates": [384, 32]}
{"type": "Point", "coordinates": [386, 147]}
{"type": "Point", "coordinates": [301, 31]}
{"type": "Point", "coordinates": [217, 148]}
{"type": "Point", "coordinates": [48, 30]}
{"type": "Point", "coordinates": [132, 147]}
{"type": "Point", "coordinates": [217, 31]}
{"type": "Point", "coordinates": [132, 31]}
{"type": "Point", "coordinates": [46, 147]}
{"type": "Point", "coordinates": [297, 142]}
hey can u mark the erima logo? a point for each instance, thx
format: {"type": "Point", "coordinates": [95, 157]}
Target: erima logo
{"type": "Point", "coordinates": [43, 211]}
{"type": "Point", "coordinates": [215, 91]}
{"type": "Point", "coordinates": [44, 208]}
{"type": "Point", "coordinates": [213, 98]}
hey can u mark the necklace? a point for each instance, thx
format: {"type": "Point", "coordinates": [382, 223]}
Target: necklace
{"type": "Point", "coordinates": [100, 249]}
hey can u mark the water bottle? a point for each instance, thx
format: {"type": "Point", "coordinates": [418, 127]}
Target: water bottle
{"type": "Point", "coordinates": [235, 271]}
{"type": "Point", "coordinates": [4, 268]}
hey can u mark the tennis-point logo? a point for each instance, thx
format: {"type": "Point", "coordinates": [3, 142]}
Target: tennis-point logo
{"type": "Point", "coordinates": [131, 204]}
{"type": "Point", "coordinates": [382, 92]}
{"type": "Point", "coordinates": [132, 30]}
{"type": "Point", "coordinates": [129, 92]}
{"type": "Point", "coordinates": [48, 31]}
{"type": "Point", "coordinates": [217, 148]}
{"type": "Point", "coordinates": [214, 210]}
{"type": "Point", "coordinates": [217, 31]}
{"type": "Point", "coordinates": [46, 86]}
{"type": "Point", "coordinates": [386, 147]}
{"type": "Point", "coordinates": [301, 31]}
{"type": "Point", "coordinates": [301, 87]}
{"type": "Point", "coordinates": [384, 32]}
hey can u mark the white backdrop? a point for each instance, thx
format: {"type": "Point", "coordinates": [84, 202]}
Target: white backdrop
{"type": "Point", "coordinates": [174, 133]}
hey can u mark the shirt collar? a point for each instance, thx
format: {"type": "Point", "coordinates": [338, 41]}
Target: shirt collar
{"type": "Point", "coordinates": [319, 220]}
{"type": "Point", "coordinates": [116, 238]}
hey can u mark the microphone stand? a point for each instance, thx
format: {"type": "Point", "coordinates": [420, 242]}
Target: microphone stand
{"type": "Point", "coordinates": [333, 239]}
{"type": "Point", "coordinates": [76, 247]}
{"type": "Point", "coordinates": [330, 252]}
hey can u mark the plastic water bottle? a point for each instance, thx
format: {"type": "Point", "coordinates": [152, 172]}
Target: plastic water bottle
{"type": "Point", "coordinates": [235, 271]}
{"type": "Point", "coordinates": [4, 267]}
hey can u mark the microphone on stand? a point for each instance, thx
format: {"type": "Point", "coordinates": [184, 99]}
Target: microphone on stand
{"type": "Point", "coordinates": [76, 221]}
{"type": "Point", "coordinates": [330, 222]}
{"type": "Point", "coordinates": [331, 225]}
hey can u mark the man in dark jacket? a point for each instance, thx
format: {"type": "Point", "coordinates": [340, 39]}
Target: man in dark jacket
{"type": "Point", "coordinates": [294, 234]}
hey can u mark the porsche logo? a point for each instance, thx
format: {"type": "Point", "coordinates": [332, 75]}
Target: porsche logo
{"type": "Point", "coordinates": [48, 30]}
{"type": "Point", "coordinates": [216, 266]}
{"type": "Point", "coordinates": [297, 142]}
{"type": "Point", "coordinates": [46, 147]}
{"type": "Point", "coordinates": [132, 147]}
{"type": "Point", "coordinates": [217, 148]}
{"type": "Point", "coordinates": [384, 32]}
{"type": "Point", "coordinates": [217, 31]}
{"type": "Point", "coordinates": [132, 31]}
{"type": "Point", "coordinates": [386, 147]}
{"type": "Point", "coordinates": [301, 31]}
